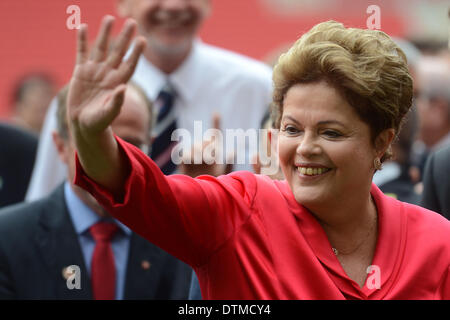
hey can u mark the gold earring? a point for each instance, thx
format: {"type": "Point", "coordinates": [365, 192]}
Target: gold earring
{"type": "Point", "coordinates": [377, 164]}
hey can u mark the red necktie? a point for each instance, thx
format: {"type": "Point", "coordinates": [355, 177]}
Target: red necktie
{"type": "Point", "coordinates": [103, 270]}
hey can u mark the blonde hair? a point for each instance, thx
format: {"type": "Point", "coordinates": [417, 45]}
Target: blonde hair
{"type": "Point", "coordinates": [366, 66]}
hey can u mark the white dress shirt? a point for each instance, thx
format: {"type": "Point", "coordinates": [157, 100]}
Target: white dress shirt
{"type": "Point", "coordinates": [49, 171]}
{"type": "Point", "coordinates": [210, 80]}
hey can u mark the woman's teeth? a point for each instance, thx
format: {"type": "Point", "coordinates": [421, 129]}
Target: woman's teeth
{"type": "Point", "coordinates": [312, 171]}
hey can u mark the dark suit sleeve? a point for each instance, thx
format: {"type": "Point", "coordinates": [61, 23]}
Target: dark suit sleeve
{"type": "Point", "coordinates": [17, 153]}
{"type": "Point", "coordinates": [6, 288]}
{"type": "Point", "coordinates": [429, 195]}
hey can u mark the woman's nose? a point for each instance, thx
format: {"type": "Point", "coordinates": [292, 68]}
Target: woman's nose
{"type": "Point", "coordinates": [308, 145]}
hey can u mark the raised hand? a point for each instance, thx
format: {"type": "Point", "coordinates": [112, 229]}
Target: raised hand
{"type": "Point", "coordinates": [99, 80]}
{"type": "Point", "coordinates": [96, 94]}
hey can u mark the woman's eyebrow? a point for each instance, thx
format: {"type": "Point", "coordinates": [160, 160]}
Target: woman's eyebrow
{"type": "Point", "coordinates": [290, 118]}
{"type": "Point", "coordinates": [331, 122]}
{"type": "Point", "coordinates": [319, 123]}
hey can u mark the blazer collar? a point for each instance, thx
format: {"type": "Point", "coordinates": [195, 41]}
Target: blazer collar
{"type": "Point", "coordinates": [144, 269]}
{"type": "Point", "coordinates": [59, 247]}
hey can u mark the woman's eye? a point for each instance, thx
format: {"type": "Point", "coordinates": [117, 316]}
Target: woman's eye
{"type": "Point", "coordinates": [290, 130]}
{"type": "Point", "coordinates": [332, 134]}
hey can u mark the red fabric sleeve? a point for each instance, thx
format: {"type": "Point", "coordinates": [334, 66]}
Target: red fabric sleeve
{"type": "Point", "coordinates": [189, 218]}
{"type": "Point", "coordinates": [443, 292]}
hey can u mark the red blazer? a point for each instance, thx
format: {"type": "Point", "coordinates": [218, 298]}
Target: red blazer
{"type": "Point", "coordinates": [247, 237]}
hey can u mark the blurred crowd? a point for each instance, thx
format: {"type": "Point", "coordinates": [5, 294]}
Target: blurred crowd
{"type": "Point", "coordinates": [34, 148]}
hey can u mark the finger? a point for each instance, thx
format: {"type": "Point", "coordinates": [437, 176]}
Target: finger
{"type": "Point", "coordinates": [216, 120]}
{"type": "Point", "coordinates": [256, 164]}
{"type": "Point", "coordinates": [82, 48]}
{"type": "Point", "coordinates": [100, 49]}
{"type": "Point", "coordinates": [127, 67]}
{"type": "Point", "coordinates": [216, 126]}
{"type": "Point", "coordinates": [122, 44]}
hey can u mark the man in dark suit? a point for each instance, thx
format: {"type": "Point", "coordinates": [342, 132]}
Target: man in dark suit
{"type": "Point", "coordinates": [436, 182]}
{"type": "Point", "coordinates": [17, 153]}
{"type": "Point", "coordinates": [50, 249]}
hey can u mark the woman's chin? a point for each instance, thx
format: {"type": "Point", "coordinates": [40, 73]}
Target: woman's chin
{"type": "Point", "coordinates": [309, 197]}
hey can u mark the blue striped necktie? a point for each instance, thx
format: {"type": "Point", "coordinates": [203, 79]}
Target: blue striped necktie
{"type": "Point", "coordinates": [165, 124]}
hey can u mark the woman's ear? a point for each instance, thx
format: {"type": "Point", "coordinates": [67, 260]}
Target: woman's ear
{"type": "Point", "coordinates": [384, 141]}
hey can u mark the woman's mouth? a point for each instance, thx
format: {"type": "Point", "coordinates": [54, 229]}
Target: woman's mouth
{"type": "Point", "coordinates": [312, 171]}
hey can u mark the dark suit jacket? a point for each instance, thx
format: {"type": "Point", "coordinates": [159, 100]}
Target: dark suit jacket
{"type": "Point", "coordinates": [402, 188]}
{"type": "Point", "coordinates": [17, 153]}
{"type": "Point", "coordinates": [436, 182]}
{"type": "Point", "coordinates": [38, 240]}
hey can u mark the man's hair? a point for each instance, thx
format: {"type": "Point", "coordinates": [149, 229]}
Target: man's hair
{"type": "Point", "coordinates": [365, 66]}
{"type": "Point", "coordinates": [28, 81]}
{"type": "Point", "coordinates": [61, 114]}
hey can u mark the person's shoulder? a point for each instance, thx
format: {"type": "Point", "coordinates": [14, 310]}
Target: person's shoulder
{"type": "Point", "coordinates": [18, 137]}
{"type": "Point", "coordinates": [427, 222]}
{"type": "Point", "coordinates": [250, 178]}
{"type": "Point", "coordinates": [19, 213]}
{"type": "Point", "coordinates": [17, 221]}
{"type": "Point", "coordinates": [24, 216]}
{"type": "Point", "coordinates": [440, 158]}
{"type": "Point", "coordinates": [258, 182]}
{"type": "Point", "coordinates": [243, 181]}
{"type": "Point", "coordinates": [233, 62]}
{"type": "Point", "coordinates": [246, 183]}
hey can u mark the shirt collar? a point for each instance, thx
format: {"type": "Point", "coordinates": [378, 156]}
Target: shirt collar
{"type": "Point", "coordinates": [184, 80]}
{"type": "Point", "coordinates": [82, 216]}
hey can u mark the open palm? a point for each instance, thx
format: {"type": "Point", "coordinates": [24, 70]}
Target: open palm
{"type": "Point", "coordinates": [98, 84]}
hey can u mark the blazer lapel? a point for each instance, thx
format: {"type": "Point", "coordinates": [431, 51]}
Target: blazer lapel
{"type": "Point", "coordinates": [59, 247]}
{"type": "Point", "coordinates": [142, 274]}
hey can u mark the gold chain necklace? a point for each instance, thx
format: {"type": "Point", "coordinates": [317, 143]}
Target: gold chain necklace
{"type": "Point", "coordinates": [337, 252]}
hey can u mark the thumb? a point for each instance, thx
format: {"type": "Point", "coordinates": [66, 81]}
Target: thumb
{"type": "Point", "coordinates": [256, 164]}
{"type": "Point", "coordinates": [216, 118]}
{"type": "Point", "coordinates": [114, 105]}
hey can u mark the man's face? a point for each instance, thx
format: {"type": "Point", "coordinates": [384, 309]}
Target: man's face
{"type": "Point", "coordinates": [168, 25]}
{"type": "Point", "coordinates": [34, 104]}
{"type": "Point", "coordinates": [433, 80]}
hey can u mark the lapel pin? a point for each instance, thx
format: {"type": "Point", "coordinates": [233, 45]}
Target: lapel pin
{"type": "Point", "coordinates": [145, 264]}
{"type": "Point", "coordinates": [67, 272]}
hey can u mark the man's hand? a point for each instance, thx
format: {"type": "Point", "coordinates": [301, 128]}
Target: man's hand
{"type": "Point", "coordinates": [95, 97]}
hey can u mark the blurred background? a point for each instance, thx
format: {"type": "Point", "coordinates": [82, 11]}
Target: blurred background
{"type": "Point", "coordinates": [35, 38]}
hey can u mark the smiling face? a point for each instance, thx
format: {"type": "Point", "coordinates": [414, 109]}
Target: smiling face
{"type": "Point", "coordinates": [168, 25]}
{"type": "Point", "coordinates": [325, 150]}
